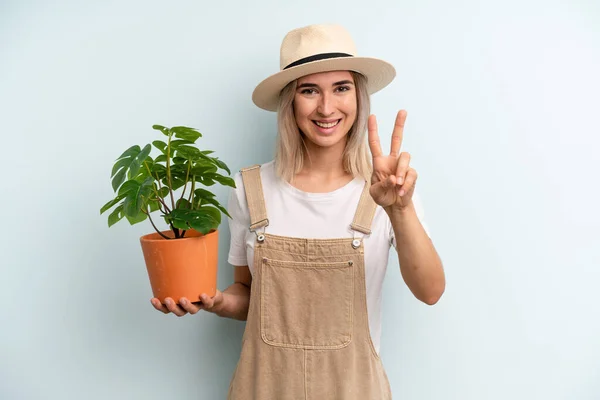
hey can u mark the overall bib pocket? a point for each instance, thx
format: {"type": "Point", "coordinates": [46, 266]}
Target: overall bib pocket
{"type": "Point", "coordinates": [306, 304]}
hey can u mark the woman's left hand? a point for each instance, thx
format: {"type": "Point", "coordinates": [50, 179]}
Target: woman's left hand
{"type": "Point", "coordinates": [393, 181]}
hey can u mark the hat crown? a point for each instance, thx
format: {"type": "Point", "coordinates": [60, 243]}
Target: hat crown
{"type": "Point", "coordinates": [315, 39]}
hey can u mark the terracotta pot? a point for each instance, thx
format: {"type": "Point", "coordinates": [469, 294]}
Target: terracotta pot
{"type": "Point", "coordinates": [181, 267]}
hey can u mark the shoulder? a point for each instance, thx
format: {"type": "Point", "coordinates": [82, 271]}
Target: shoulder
{"type": "Point", "coordinates": [238, 203]}
{"type": "Point", "coordinates": [267, 175]}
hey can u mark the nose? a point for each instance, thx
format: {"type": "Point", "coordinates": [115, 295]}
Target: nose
{"type": "Point", "coordinates": [325, 106]}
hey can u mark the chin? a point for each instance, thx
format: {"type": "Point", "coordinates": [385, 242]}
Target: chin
{"type": "Point", "coordinates": [327, 141]}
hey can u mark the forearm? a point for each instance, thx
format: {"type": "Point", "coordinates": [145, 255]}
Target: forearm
{"type": "Point", "coordinates": [236, 300]}
{"type": "Point", "coordinates": [420, 264]}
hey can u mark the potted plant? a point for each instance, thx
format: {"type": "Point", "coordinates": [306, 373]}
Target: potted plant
{"type": "Point", "coordinates": [181, 261]}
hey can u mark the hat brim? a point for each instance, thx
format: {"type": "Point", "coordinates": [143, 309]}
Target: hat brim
{"type": "Point", "coordinates": [379, 74]}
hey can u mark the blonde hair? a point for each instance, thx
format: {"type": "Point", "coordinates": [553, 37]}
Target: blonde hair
{"type": "Point", "coordinates": [290, 153]}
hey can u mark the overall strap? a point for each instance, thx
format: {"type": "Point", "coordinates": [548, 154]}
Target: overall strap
{"type": "Point", "coordinates": [255, 197]}
{"type": "Point", "coordinates": [364, 212]}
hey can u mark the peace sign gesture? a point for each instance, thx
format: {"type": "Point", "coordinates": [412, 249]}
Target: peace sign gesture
{"type": "Point", "coordinates": [393, 180]}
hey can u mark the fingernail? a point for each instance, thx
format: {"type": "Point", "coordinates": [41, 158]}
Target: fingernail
{"type": "Point", "coordinates": [168, 302]}
{"type": "Point", "coordinates": [399, 180]}
{"type": "Point", "coordinates": [401, 192]}
{"type": "Point", "coordinates": [183, 301]}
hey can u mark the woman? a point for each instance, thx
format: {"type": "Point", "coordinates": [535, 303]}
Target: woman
{"type": "Point", "coordinates": [311, 231]}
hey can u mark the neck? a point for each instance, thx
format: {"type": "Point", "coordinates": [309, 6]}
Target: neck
{"type": "Point", "coordinates": [325, 163]}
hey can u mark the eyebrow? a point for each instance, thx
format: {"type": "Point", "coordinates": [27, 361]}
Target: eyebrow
{"type": "Point", "coordinates": [346, 82]}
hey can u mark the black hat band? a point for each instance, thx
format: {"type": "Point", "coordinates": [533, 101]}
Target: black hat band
{"type": "Point", "coordinates": [317, 57]}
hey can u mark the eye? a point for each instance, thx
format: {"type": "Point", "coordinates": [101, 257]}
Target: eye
{"type": "Point", "coordinates": [343, 88]}
{"type": "Point", "coordinates": [308, 91]}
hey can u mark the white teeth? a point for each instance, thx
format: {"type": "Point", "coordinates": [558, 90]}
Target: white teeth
{"type": "Point", "coordinates": [327, 125]}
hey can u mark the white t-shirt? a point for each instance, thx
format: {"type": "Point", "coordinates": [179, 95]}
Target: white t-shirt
{"type": "Point", "coordinates": [295, 213]}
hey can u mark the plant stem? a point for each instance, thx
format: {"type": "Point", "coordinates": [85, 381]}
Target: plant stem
{"type": "Point", "coordinates": [187, 175]}
{"type": "Point", "coordinates": [163, 203]}
{"type": "Point", "coordinates": [192, 192]}
{"type": "Point", "coordinates": [175, 230]}
{"type": "Point", "coordinates": [190, 199]}
{"type": "Point", "coordinates": [160, 200]}
{"type": "Point", "coordinates": [169, 171]}
{"type": "Point", "coordinates": [155, 228]}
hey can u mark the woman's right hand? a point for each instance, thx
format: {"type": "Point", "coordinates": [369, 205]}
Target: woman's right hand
{"type": "Point", "coordinates": [185, 306]}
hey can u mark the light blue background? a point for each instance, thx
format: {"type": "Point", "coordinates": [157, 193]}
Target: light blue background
{"type": "Point", "coordinates": [503, 104]}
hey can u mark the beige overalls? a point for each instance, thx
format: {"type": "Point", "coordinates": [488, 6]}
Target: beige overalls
{"type": "Point", "coordinates": [307, 334]}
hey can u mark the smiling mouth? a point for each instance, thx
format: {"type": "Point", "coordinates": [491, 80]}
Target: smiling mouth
{"type": "Point", "coordinates": [326, 124]}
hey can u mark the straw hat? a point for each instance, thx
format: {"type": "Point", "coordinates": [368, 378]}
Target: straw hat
{"type": "Point", "coordinates": [319, 48]}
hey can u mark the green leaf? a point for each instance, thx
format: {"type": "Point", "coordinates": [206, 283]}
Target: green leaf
{"type": "Point", "coordinates": [116, 215]}
{"type": "Point", "coordinates": [179, 160]}
{"type": "Point", "coordinates": [203, 194]}
{"type": "Point", "coordinates": [147, 165]}
{"type": "Point", "coordinates": [215, 161]}
{"type": "Point", "coordinates": [178, 173]}
{"type": "Point", "coordinates": [118, 179]}
{"type": "Point", "coordinates": [178, 169]}
{"type": "Point", "coordinates": [206, 158]}
{"type": "Point", "coordinates": [213, 212]}
{"type": "Point", "coordinates": [201, 169]}
{"type": "Point", "coordinates": [137, 161]}
{"type": "Point", "coordinates": [162, 146]}
{"type": "Point", "coordinates": [214, 202]}
{"type": "Point", "coordinates": [128, 186]}
{"type": "Point", "coordinates": [161, 128]}
{"type": "Point", "coordinates": [142, 175]}
{"type": "Point", "coordinates": [161, 158]}
{"type": "Point", "coordinates": [163, 192]}
{"type": "Point", "coordinates": [154, 205]}
{"type": "Point", "coordinates": [201, 221]}
{"type": "Point", "coordinates": [130, 152]}
{"type": "Point", "coordinates": [178, 142]}
{"type": "Point", "coordinates": [137, 198]}
{"type": "Point", "coordinates": [183, 204]}
{"type": "Point", "coordinates": [187, 152]}
{"type": "Point", "coordinates": [128, 164]}
{"type": "Point", "coordinates": [205, 180]}
{"type": "Point", "coordinates": [137, 218]}
{"type": "Point", "coordinates": [124, 162]}
{"type": "Point", "coordinates": [176, 182]}
{"type": "Point", "coordinates": [111, 203]}
{"type": "Point", "coordinates": [223, 180]}
{"type": "Point", "coordinates": [203, 226]}
{"type": "Point", "coordinates": [184, 132]}
{"type": "Point", "coordinates": [159, 171]}
{"type": "Point", "coordinates": [222, 165]}
{"type": "Point", "coordinates": [122, 165]}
